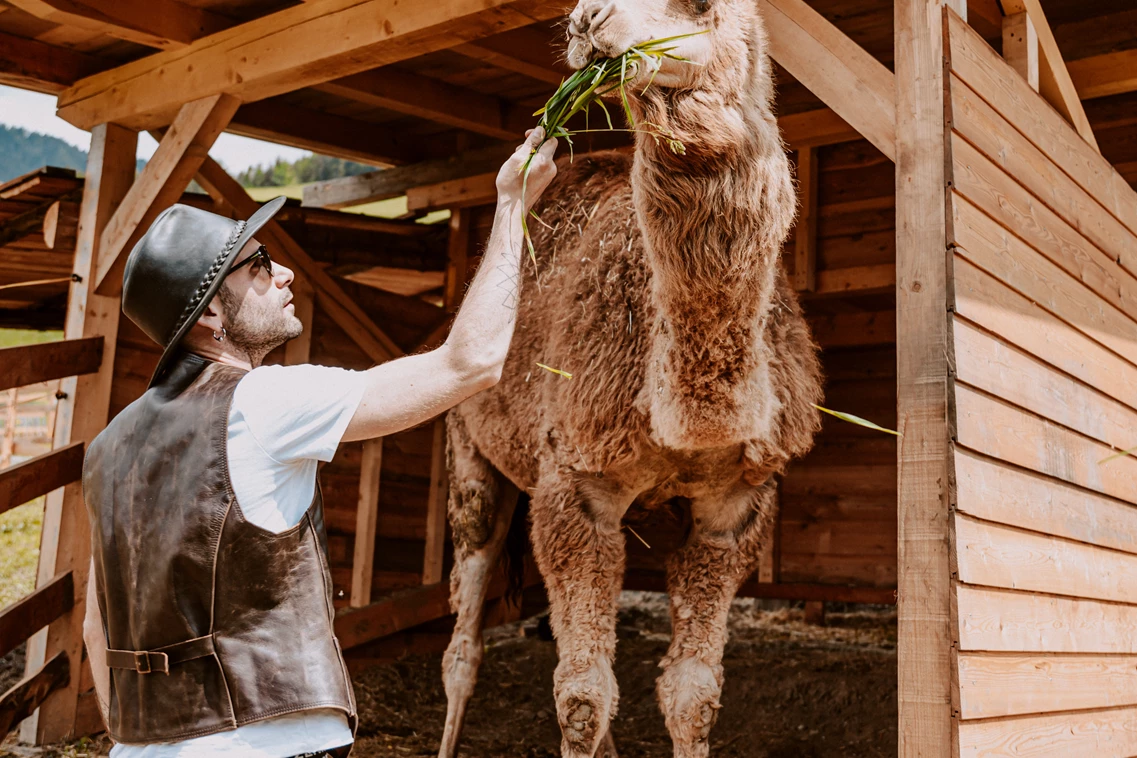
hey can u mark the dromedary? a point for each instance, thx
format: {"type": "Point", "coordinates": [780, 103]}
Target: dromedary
{"type": "Point", "coordinates": [658, 286]}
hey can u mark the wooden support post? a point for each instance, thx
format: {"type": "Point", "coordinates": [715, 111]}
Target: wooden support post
{"type": "Point", "coordinates": [1020, 46]}
{"type": "Point", "coordinates": [366, 516]}
{"type": "Point", "coordinates": [1054, 82]}
{"type": "Point", "coordinates": [457, 255]}
{"type": "Point", "coordinates": [9, 441]}
{"type": "Point", "coordinates": [434, 550]}
{"type": "Point", "coordinates": [65, 543]}
{"type": "Point", "coordinates": [299, 350]}
{"type": "Point", "coordinates": [923, 347]}
{"type": "Point", "coordinates": [805, 235]}
{"type": "Point", "coordinates": [815, 612]}
{"type": "Point", "coordinates": [179, 155]}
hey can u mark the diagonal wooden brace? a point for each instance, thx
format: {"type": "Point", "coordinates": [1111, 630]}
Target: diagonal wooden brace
{"type": "Point", "coordinates": [855, 85]}
{"type": "Point", "coordinates": [180, 153]}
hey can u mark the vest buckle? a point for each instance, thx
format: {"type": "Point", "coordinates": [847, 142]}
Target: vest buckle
{"type": "Point", "coordinates": [144, 665]}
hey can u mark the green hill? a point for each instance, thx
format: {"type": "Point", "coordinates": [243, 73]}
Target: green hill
{"type": "Point", "coordinates": [22, 151]}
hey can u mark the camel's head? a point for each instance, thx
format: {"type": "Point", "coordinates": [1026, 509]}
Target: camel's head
{"type": "Point", "coordinates": [731, 34]}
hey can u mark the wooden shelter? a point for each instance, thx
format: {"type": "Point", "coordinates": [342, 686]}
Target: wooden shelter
{"type": "Point", "coordinates": [966, 253]}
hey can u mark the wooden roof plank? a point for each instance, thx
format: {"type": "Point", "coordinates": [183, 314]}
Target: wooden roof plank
{"type": "Point", "coordinates": [434, 100]}
{"type": "Point", "coordinates": [30, 64]}
{"type": "Point", "coordinates": [298, 47]}
{"type": "Point", "coordinates": [161, 24]}
{"type": "Point", "coordinates": [1104, 75]}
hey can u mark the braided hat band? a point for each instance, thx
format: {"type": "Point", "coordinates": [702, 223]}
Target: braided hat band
{"type": "Point", "coordinates": [210, 275]}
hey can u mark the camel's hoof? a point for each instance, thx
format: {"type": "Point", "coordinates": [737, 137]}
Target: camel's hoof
{"type": "Point", "coordinates": [579, 727]}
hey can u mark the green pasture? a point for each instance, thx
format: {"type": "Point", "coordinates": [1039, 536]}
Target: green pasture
{"type": "Point", "coordinates": [20, 527]}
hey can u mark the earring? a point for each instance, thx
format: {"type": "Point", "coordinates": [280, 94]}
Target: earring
{"type": "Point", "coordinates": [223, 335]}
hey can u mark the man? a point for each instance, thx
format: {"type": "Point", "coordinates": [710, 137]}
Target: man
{"type": "Point", "coordinates": [209, 613]}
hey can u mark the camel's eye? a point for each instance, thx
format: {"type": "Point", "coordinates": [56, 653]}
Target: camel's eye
{"type": "Point", "coordinates": [702, 6]}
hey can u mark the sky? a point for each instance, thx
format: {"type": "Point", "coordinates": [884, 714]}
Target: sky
{"type": "Point", "coordinates": [36, 113]}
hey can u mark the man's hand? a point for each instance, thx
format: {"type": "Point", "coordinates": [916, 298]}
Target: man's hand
{"type": "Point", "coordinates": [541, 171]}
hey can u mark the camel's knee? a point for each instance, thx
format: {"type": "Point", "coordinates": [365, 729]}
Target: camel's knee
{"type": "Point", "coordinates": [586, 704]}
{"type": "Point", "coordinates": [688, 691]}
{"type": "Point", "coordinates": [460, 665]}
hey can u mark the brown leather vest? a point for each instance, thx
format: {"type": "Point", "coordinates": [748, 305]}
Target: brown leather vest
{"type": "Point", "coordinates": [211, 621]}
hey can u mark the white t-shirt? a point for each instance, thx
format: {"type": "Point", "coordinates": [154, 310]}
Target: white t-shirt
{"type": "Point", "coordinates": [283, 421]}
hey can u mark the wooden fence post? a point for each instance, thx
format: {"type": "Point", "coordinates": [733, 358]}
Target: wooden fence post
{"type": "Point", "coordinates": [923, 348]}
{"type": "Point", "coordinates": [65, 542]}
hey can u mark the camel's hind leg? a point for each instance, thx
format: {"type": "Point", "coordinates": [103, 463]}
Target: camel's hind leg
{"type": "Point", "coordinates": [702, 579]}
{"type": "Point", "coordinates": [580, 551]}
{"type": "Point", "coordinates": [481, 507]}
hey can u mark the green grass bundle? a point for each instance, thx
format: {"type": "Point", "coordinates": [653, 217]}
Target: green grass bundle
{"type": "Point", "coordinates": [589, 85]}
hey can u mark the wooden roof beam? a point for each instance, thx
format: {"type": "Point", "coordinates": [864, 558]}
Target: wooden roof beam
{"type": "Point", "coordinates": [297, 47]}
{"type": "Point", "coordinates": [1104, 75]}
{"type": "Point", "coordinates": [1054, 82]}
{"type": "Point", "coordinates": [164, 24]}
{"type": "Point", "coordinates": [859, 88]}
{"type": "Point", "coordinates": [277, 121]}
{"type": "Point", "coordinates": [808, 129]}
{"type": "Point", "coordinates": [434, 100]}
{"type": "Point", "coordinates": [37, 66]}
{"type": "Point", "coordinates": [523, 51]}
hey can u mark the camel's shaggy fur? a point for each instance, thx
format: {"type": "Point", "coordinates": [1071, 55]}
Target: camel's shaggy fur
{"type": "Point", "coordinates": [658, 286]}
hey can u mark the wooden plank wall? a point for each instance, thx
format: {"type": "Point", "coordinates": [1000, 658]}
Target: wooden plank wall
{"type": "Point", "coordinates": [1045, 532]}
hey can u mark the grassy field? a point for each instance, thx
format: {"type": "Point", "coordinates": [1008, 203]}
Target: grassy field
{"type": "Point", "coordinates": [392, 208]}
{"type": "Point", "coordinates": [20, 527]}
{"type": "Point", "coordinates": [19, 550]}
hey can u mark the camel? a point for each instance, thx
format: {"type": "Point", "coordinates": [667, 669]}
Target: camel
{"type": "Point", "coordinates": [658, 286]}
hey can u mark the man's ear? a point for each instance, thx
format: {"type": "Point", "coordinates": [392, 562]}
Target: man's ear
{"type": "Point", "coordinates": [210, 318]}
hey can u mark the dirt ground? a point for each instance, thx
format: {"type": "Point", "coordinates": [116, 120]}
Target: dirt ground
{"type": "Point", "coordinates": [792, 690]}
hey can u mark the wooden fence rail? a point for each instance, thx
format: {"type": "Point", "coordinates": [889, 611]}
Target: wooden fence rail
{"type": "Point", "coordinates": [24, 618]}
{"type": "Point", "coordinates": [31, 364]}
{"type": "Point", "coordinates": [40, 475]}
{"type": "Point", "coordinates": [21, 701]}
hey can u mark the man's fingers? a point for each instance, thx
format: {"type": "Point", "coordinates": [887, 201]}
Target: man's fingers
{"type": "Point", "coordinates": [549, 148]}
{"type": "Point", "coordinates": [533, 138]}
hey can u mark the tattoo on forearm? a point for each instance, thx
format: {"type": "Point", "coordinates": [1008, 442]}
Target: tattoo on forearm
{"type": "Point", "coordinates": [508, 284]}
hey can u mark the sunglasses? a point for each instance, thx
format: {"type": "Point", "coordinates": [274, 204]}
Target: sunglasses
{"type": "Point", "coordinates": [260, 256]}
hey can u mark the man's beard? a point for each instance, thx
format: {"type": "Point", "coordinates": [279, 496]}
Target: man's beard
{"type": "Point", "coordinates": [257, 333]}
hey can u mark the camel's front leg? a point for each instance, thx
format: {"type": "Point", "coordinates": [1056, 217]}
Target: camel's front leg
{"type": "Point", "coordinates": [580, 551]}
{"type": "Point", "coordinates": [702, 578]}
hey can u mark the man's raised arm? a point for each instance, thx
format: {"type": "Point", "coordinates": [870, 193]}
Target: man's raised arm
{"type": "Point", "coordinates": [410, 390]}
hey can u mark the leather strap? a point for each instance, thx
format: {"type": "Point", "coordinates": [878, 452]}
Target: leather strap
{"type": "Point", "coordinates": [160, 660]}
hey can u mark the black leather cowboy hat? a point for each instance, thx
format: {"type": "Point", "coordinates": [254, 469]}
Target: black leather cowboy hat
{"type": "Point", "coordinates": [177, 267]}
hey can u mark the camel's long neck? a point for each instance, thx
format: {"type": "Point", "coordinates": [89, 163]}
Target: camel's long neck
{"type": "Point", "coordinates": [714, 221]}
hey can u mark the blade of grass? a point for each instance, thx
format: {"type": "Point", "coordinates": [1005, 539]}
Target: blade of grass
{"type": "Point", "coordinates": [565, 374]}
{"type": "Point", "coordinates": [1120, 454]}
{"type": "Point", "coordinates": [856, 420]}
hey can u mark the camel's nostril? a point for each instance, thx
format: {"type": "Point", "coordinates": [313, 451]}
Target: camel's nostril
{"type": "Point", "coordinates": [589, 18]}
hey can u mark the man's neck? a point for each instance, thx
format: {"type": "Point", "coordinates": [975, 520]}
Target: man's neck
{"type": "Point", "coordinates": [225, 353]}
